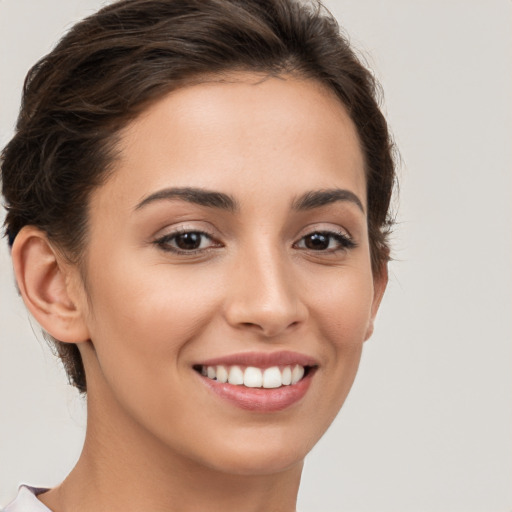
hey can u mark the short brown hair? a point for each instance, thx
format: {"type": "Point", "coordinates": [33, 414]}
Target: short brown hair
{"type": "Point", "coordinates": [111, 65]}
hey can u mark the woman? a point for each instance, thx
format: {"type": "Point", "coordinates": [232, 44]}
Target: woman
{"type": "Point", "coordinates": [197, 198]}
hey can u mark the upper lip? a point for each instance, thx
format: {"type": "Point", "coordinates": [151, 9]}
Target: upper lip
{"type": "Point", "coordinates": [262, 359]}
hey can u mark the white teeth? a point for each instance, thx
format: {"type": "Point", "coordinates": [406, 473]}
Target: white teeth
{"type": "Point", "coordinates": [272, 378]}
{"type": "Point", "coordinates": [287, 376]}
{"type": "Point", "coordinates": [297, 373]}
{"type": "Point", "coordinates": [252, 377]}
{"type": "Point", "coordinates": [236, 376]}
{"type": "Point", "coordinates": [222, 374]}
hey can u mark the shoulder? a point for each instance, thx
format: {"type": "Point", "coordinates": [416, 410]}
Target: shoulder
{"type": "Point", "coordinates": [26, 501]}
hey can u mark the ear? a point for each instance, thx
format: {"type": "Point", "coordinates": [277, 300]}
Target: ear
{"type": "Point", "coordinates": [48, 286]}
{"type": "Point", "coordinates": [380, 282]}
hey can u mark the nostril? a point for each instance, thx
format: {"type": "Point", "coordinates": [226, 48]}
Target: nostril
{"type": "Point", "coordinates": [269, 328]}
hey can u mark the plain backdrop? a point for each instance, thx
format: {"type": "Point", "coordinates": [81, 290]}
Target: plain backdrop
{"type": "Point", "coordinates": [428, 424]}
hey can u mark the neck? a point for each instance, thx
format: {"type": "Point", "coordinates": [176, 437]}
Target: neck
{"type": "Point", "coordinates": [128, 469]}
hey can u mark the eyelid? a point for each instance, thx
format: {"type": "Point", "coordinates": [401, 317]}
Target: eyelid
{"type": "Point", "coordinates": [183, 226]}
{"type": "Point", "coordinates": [324, 227]}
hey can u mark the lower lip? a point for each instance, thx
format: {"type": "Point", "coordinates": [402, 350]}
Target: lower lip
{"type": "Point", "coordinates": [260, 399]}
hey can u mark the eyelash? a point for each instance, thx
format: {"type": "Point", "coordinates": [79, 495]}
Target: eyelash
{"type": "Point", "coordinates": [343, 240]}
{"type": "Point", "coordinates": [164, 242]}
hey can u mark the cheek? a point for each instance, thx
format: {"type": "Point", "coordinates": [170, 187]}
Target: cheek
{"type": "Point", "coordinates": [340, 309]}
{"type": "Point", "coordinates": [343, 307]}
{"type": "Point", "coordinates": [143, 312]}
{"type": "Point", "coordinates": [143, 320]}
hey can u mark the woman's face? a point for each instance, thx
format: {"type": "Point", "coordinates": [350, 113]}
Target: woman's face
{"type": "Point", "coordinates": [231, 241]}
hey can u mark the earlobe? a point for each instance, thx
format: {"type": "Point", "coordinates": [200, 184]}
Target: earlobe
{"type": "Point", "coordinates": [44, 281]}
{"type": "Point", "coordinates": [380, 283]}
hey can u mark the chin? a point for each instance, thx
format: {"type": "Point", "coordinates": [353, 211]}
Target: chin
{"type": "Point", "coordinates": [250, 464]}
{"type": "Point", "coordinates": [262, 454]}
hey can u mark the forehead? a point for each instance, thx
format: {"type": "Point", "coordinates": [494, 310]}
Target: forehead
{"type": "Point", "coordinates": [244, 132]}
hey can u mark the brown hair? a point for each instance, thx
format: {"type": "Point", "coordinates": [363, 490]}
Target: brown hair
{"type": "Point", "coordinates": [110, 66]}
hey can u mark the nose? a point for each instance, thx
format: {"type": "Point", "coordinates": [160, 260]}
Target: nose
{"type": "Point", "coordinates": [263, 295]}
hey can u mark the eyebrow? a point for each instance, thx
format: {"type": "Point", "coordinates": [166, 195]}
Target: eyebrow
{"type": "Point", "coordinates": [198, 196]}
{"type": "Point", "coordinates": [211, 199]}
{"type": "Point", "coordinates": [318, 198]}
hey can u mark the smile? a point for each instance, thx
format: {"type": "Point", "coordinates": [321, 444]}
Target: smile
{"type": "Point", "coordinates": [259, 382]}
{"type": "Point", "coordinates": [254, 377]}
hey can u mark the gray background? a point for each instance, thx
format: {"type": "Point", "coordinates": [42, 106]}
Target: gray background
{"type": "Point", "coordinates": [428, 424]}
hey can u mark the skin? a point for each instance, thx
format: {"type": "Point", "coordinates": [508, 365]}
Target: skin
{"type": "Point", "coordinates": [145, 315]}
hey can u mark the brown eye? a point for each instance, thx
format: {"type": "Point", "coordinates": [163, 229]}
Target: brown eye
{"type": "Point", "coordinates": [317, 242]}
{"type": "Point", "coordinates": [326, 241]}
{"type": "Point", "coordinates": [188, 241]}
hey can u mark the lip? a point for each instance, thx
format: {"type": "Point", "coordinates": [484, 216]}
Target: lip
{"type": "Point", "coordinates": [262, 359]}
{"type": "Point", "coordinates": [260, 399]}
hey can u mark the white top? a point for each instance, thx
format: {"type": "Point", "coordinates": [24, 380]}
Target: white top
{"type": "Point", "coordinates": [26, 501]}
